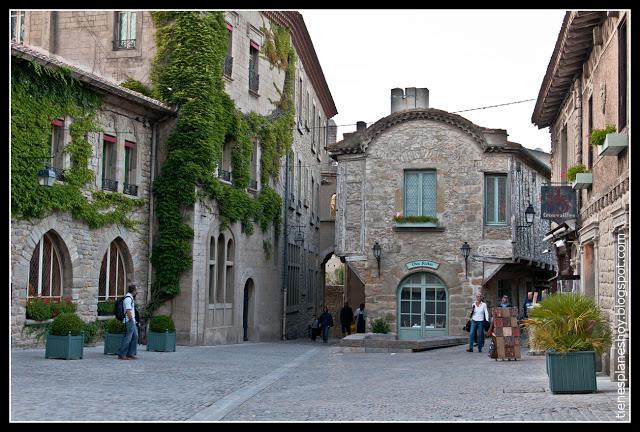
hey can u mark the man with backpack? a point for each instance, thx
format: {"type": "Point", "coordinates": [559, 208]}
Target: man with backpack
{"type": "Point", "coordinates": [125, 310]}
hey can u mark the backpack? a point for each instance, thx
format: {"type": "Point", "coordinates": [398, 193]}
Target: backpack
{"type": "Point", "coordinates": [119, 308]}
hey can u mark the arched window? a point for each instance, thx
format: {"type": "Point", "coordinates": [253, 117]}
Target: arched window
{"type": "Point", "coordinates": [221, 274]}
{"type": "Point", "coordinates": [113, 275]}
{"type": "Point", "coordinates": [45, 270]}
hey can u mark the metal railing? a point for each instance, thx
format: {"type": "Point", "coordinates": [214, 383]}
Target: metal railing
{"type": "Point", "coordinates": [126, 44]}
{"type": "Point", "coordinates": [225, 175]}
{"type": "Point", "coordinates": [228, 65]}
{"type": "Point", "coordinates": [254, 81]}
{"type": "Point", "coordinates": [130, 189]}
{"type": "Point", "coordinates": [110, 185]}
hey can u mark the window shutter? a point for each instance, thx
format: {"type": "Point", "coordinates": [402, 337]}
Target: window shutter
{"type": "Point", "coordinates": [411, 194]}
{"type": "Point", "coordinates": [132, 26]}
{"type": "Point", "coordinates": [502, 198]}
{"type": "Point", "coordinates": [428, 193]}
{"type": "Point", "coordinates": [490, 199]}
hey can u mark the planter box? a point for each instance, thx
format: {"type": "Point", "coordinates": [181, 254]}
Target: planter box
{"type": "Point", "coordinates": [582, 181]}
{"type": "Point", "coordinates": [161, 341]}
{"type": "Point", "coordinates": [613, 144]}
{"type": "Point", "coordinates": [572, 372]}
{"type": "Point", "coordinates": [112, 342]}
{"type": "Point", "coordinates": [416, 224]}
{"type": "Point", "coordinates": [64, 347]}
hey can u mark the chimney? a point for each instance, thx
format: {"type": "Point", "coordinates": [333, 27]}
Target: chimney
{"type": "Point", "coordinates": [410, 98]}
{"type": "Point", "coordinates": [360, 126]}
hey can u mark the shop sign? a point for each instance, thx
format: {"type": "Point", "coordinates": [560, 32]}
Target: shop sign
{"type": "Point", "coordinates": [422, 263]}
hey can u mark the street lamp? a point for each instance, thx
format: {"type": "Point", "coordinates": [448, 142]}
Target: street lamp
{"type": "Point", "coordinates": [529, 214]}
{"type": "Point", "coordinates": [465, 249]}
{"type": "Point", "coordinates": [376, 253]}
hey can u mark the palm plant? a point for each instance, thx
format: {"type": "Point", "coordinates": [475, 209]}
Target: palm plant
{"type": "Point", "coordinates": [567, 323]}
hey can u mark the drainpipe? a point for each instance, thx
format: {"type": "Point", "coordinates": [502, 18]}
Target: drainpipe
{"type": "Point", "coordinates": [579, 109]}
{"type": "Point", "coordinates": [286, 244]}
{"type": "Point", "coordinates": [154, 139]}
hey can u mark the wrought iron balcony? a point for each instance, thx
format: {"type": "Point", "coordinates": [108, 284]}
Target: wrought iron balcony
{"type": "Point", "coordinates": [110, 185]}
{"type": "Point", "coordinates": [253, 184]}
{"type": "Point", "coordinates": [225, 175]}
{"type": "Point", "coordinates": [228, 65]}
{"type": "Point", "coordinates": [130, 189]}
{"type": "Point", "coordinates": [254, 81]}
{"type": "Point", "coordinates": [126, 44]}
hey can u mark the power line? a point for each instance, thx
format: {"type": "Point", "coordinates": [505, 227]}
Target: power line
{"type": "Point", "coordinates": [493, 106]}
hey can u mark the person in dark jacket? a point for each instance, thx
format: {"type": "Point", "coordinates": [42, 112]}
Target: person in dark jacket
{"type": "Point", "coordinates": [326, 320]}
{"type": "Point", "coordinates": [346, 318]}
{"type": "Point", "coordinates": [359, 318]}
{"type": "Point", "coordinates": [527, 304]}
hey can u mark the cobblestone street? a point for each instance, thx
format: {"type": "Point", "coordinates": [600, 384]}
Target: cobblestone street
{"type": "Point", "coordinates": [295, 381]}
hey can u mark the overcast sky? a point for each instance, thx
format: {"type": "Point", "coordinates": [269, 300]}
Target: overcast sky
{"type": "Point", "coordinates": [466, 58]}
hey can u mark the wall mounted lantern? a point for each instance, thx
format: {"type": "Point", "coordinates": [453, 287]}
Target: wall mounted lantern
{"type": "Point", "coordinates": [529, 214]}
{"type": "Point", "coordinates": [465, 249]}
{"type": "Point", "coordinates": [376, 253]}
{"type": "Point", "coordinates": [46, 176]}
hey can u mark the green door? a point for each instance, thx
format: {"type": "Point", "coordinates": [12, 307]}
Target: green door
{"type": "Point", "coordinates": [422, 307]}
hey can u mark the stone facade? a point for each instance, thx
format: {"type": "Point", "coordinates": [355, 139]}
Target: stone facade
{"type": "Point", "coordinates": [592, 100]}
{"type": "Point", "coordinates": [88, 39]}
{"type": "Point", "coordinates": [82, 249]}
{"type": "Point", "coordinates": [370, 192]}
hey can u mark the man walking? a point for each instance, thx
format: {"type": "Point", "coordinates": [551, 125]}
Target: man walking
{"type": "Point", "coordinates": [346, 318]}
{"type": "Point", "coordinates": [129, 347]}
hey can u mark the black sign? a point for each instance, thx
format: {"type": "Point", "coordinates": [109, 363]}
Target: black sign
{"type": "Point", "coordinates": [558, 203]}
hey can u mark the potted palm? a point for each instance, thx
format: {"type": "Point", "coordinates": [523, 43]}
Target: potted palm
{"type": "Point", "coordinates": [65, 339]}
{"type": "Point", "coordinates": [113, 336]}
{"type": "Point", "coordinates": [572, 330]}
{"type": "Point", "coordinates": [162, 334]}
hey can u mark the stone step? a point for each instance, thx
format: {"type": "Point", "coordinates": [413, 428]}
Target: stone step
{"type": "Point", "coordinates": [370, 342]}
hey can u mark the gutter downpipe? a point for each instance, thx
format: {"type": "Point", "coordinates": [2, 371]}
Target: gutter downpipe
{"type": "Point", "coordinates": [154, 139]}
{"type": "Point", "coordinates": [286, 244]}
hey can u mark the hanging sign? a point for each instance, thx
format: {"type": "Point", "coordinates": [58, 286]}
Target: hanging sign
{"type": "Point", "coordinates": [422, 263]}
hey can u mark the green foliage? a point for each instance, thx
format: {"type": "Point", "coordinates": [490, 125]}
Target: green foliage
{"type": "Point", "coordinates": [401, 219]}
{"type": "Point", "coordinates": [66, 323]}
{"type": "Point", "coordinates": [598, 135]}
{"type": "Point", "coordinates": [38, 309]}
{"type": "Point", "coordinates": [569, 322]}
{"type": "Point", "coordinates": [187, 71]}
{"type": "Point", "coordinates": [93, 331]}
{"type": "Point", "coordinates": [107, 307]}
{"type": "Point", "coordinates": [38, 95]}
{"type": "Point", "coordinates": [380, 325]}
{"type": "Point", "coordinates": [576, 169]}
{"type": "Point", "coordinates": [137, 86]}
{"type": "Point", "coordinates": [65, 306]}
{"type": "Point", "coordinates": [161, 324]}
{"type": "Point", "coordinates": [114, 326]}
{"type": "Point", "coordinates": [340, 275]}
{"type": "Point", "coordinates": [276, 46]}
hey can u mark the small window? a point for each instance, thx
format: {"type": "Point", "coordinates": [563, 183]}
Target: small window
{"type": "Point", "coordinates": [109, 163]}
{"type": "Point", "coordinates": [57, 147]}
{"type": "Point", "coordinates": [496, 199]}
{"type": "Point", "coordinates": [17, 26]}
{"type": "Point", "coordinates": [126, 30]}
{"type": "Point", "coordinates": [254, 77]}
{"type": "Point", "coordinates": [45, 270]}
{"type": "Point", "coordinates": [253, 180]}
{"type": "Point", "coordinates": [228, 61]}
{"type": "Point", "coordinates": [113, 277]}
{"type": "Point", "coordinates": [224, 168]}
{"type": "Point", "coordinates": [313, 128]}
{"type": "Point", "coordinates": [299, 107]}
{"type": "Point", "coordinates": [130, 187]}
{"type": "Point", "coordinates": [420, 193]}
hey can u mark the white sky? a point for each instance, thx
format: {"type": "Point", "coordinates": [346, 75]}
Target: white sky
{"type": "Point", "coordinates": [466, 58]}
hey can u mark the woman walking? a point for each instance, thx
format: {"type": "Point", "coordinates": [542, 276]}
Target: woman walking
{"type": "Point", "coordinates": [479, 314]}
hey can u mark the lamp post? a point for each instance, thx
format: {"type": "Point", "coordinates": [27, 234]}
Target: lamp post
{"type": "Point", "coordinates": [465, 249]}
{"type": "Point", "coordinates": [376, 253]}
{"type": "Point", "coordinates": [529, 214]}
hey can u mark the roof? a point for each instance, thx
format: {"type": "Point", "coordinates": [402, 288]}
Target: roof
{"type": "Point", "coordinates": [97, 82]}
{"type": "Point", "coordinates": [574, 44]}
{"type": "Point", "coordinates": [302, 42]}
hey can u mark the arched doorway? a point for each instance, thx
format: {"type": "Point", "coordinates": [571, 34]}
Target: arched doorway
{"type": "Point", "coordinates": [423, 305]}
{"type": "Point", "coordinates": [248, 291]}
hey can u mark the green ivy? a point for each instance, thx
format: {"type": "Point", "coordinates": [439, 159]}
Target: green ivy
{"type": "Point", "coordinates": [187, 72]}
{"type": "Point", "coordinates": [38, 95]}
{"type": "Point", "coordinates": [137, 86]}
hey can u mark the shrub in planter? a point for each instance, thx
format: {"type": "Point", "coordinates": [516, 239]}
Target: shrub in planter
{"type": "Point", "coordinates": [38, 309]}
{"type": "Point", "coordinates": [65, 339]}
{"type": "Point", "coordinates": [598, 135]}
{"type": "Point", "coordinates": [572, 329]}
{"type": "Point", "coordinates": [380, 325]}
{"type": "Point", "coordinates": [113, 336]}
{"type": "Point", "coordinates": [162, 334]}
{"type": "Point", "coordinates": [576, 169]}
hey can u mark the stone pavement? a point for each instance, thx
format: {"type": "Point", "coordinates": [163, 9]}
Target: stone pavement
{"type": "Point", "coordinates": [295, 381]}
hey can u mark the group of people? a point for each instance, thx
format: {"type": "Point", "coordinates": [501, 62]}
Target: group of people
{"type": "Point", "coordinates": [321, 324]}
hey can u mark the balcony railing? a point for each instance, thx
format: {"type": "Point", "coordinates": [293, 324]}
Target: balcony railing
{"type": "Point", "coordinates": [228, 65]}
{"type": "Point", "coordinates": [225, 175]}
{"type": "Point", "coordinates": [254, 81]}
{"type": "Point", "coordinates": [126, 44]}
{"type": "Point", "coordinates": [130, 189]}
{"type": "Point", "coordinates": [253, 184]}
{"type": "Point", "coordinates": [110, 185]}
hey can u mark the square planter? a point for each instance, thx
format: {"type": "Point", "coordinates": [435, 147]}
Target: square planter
{"type": "Point", "coordinates": [112, 342]}
{"type": "Point", "coordinates": [572, 372]}
{"type": "Point", "coordinates": [64, 347]}
{"type": "Point", "coordinates": [613, 144]}
{"type": "Point", "coordinates": [582, 181]}
{"type": "Point", "coordinates": [161, 341]}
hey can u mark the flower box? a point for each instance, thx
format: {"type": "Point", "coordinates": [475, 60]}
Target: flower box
{"type": "Point", "coordinates": [164, 342]}
{"type": "Point", "coordinates": [613, 144]}
{"type": "Point", "coordinates": [572, 372]}
{"type": "Point", "coordinates": [416, 224]}
{"type": "Point", "coordinates": [583, 181]}
{"type": "Point", "coordinates": [64, 347]}
{"type": "Point", "coordinates": [112, 342]}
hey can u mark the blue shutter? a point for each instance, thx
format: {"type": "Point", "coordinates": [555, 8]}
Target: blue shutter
{"type": "Point", "coordinates": [411, 194]}
{"type": "Point", "coordinates": [428, 193]}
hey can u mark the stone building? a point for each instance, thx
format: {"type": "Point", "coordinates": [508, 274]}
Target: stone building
{"type": "Point", "coordinates": [60, 256]}
{"type": "Point", "coordinates": [586, 88]}
{"type": "Point", "coordinates": [421, 183]}
{"type": "Point", "coordinates": [238, 284]}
